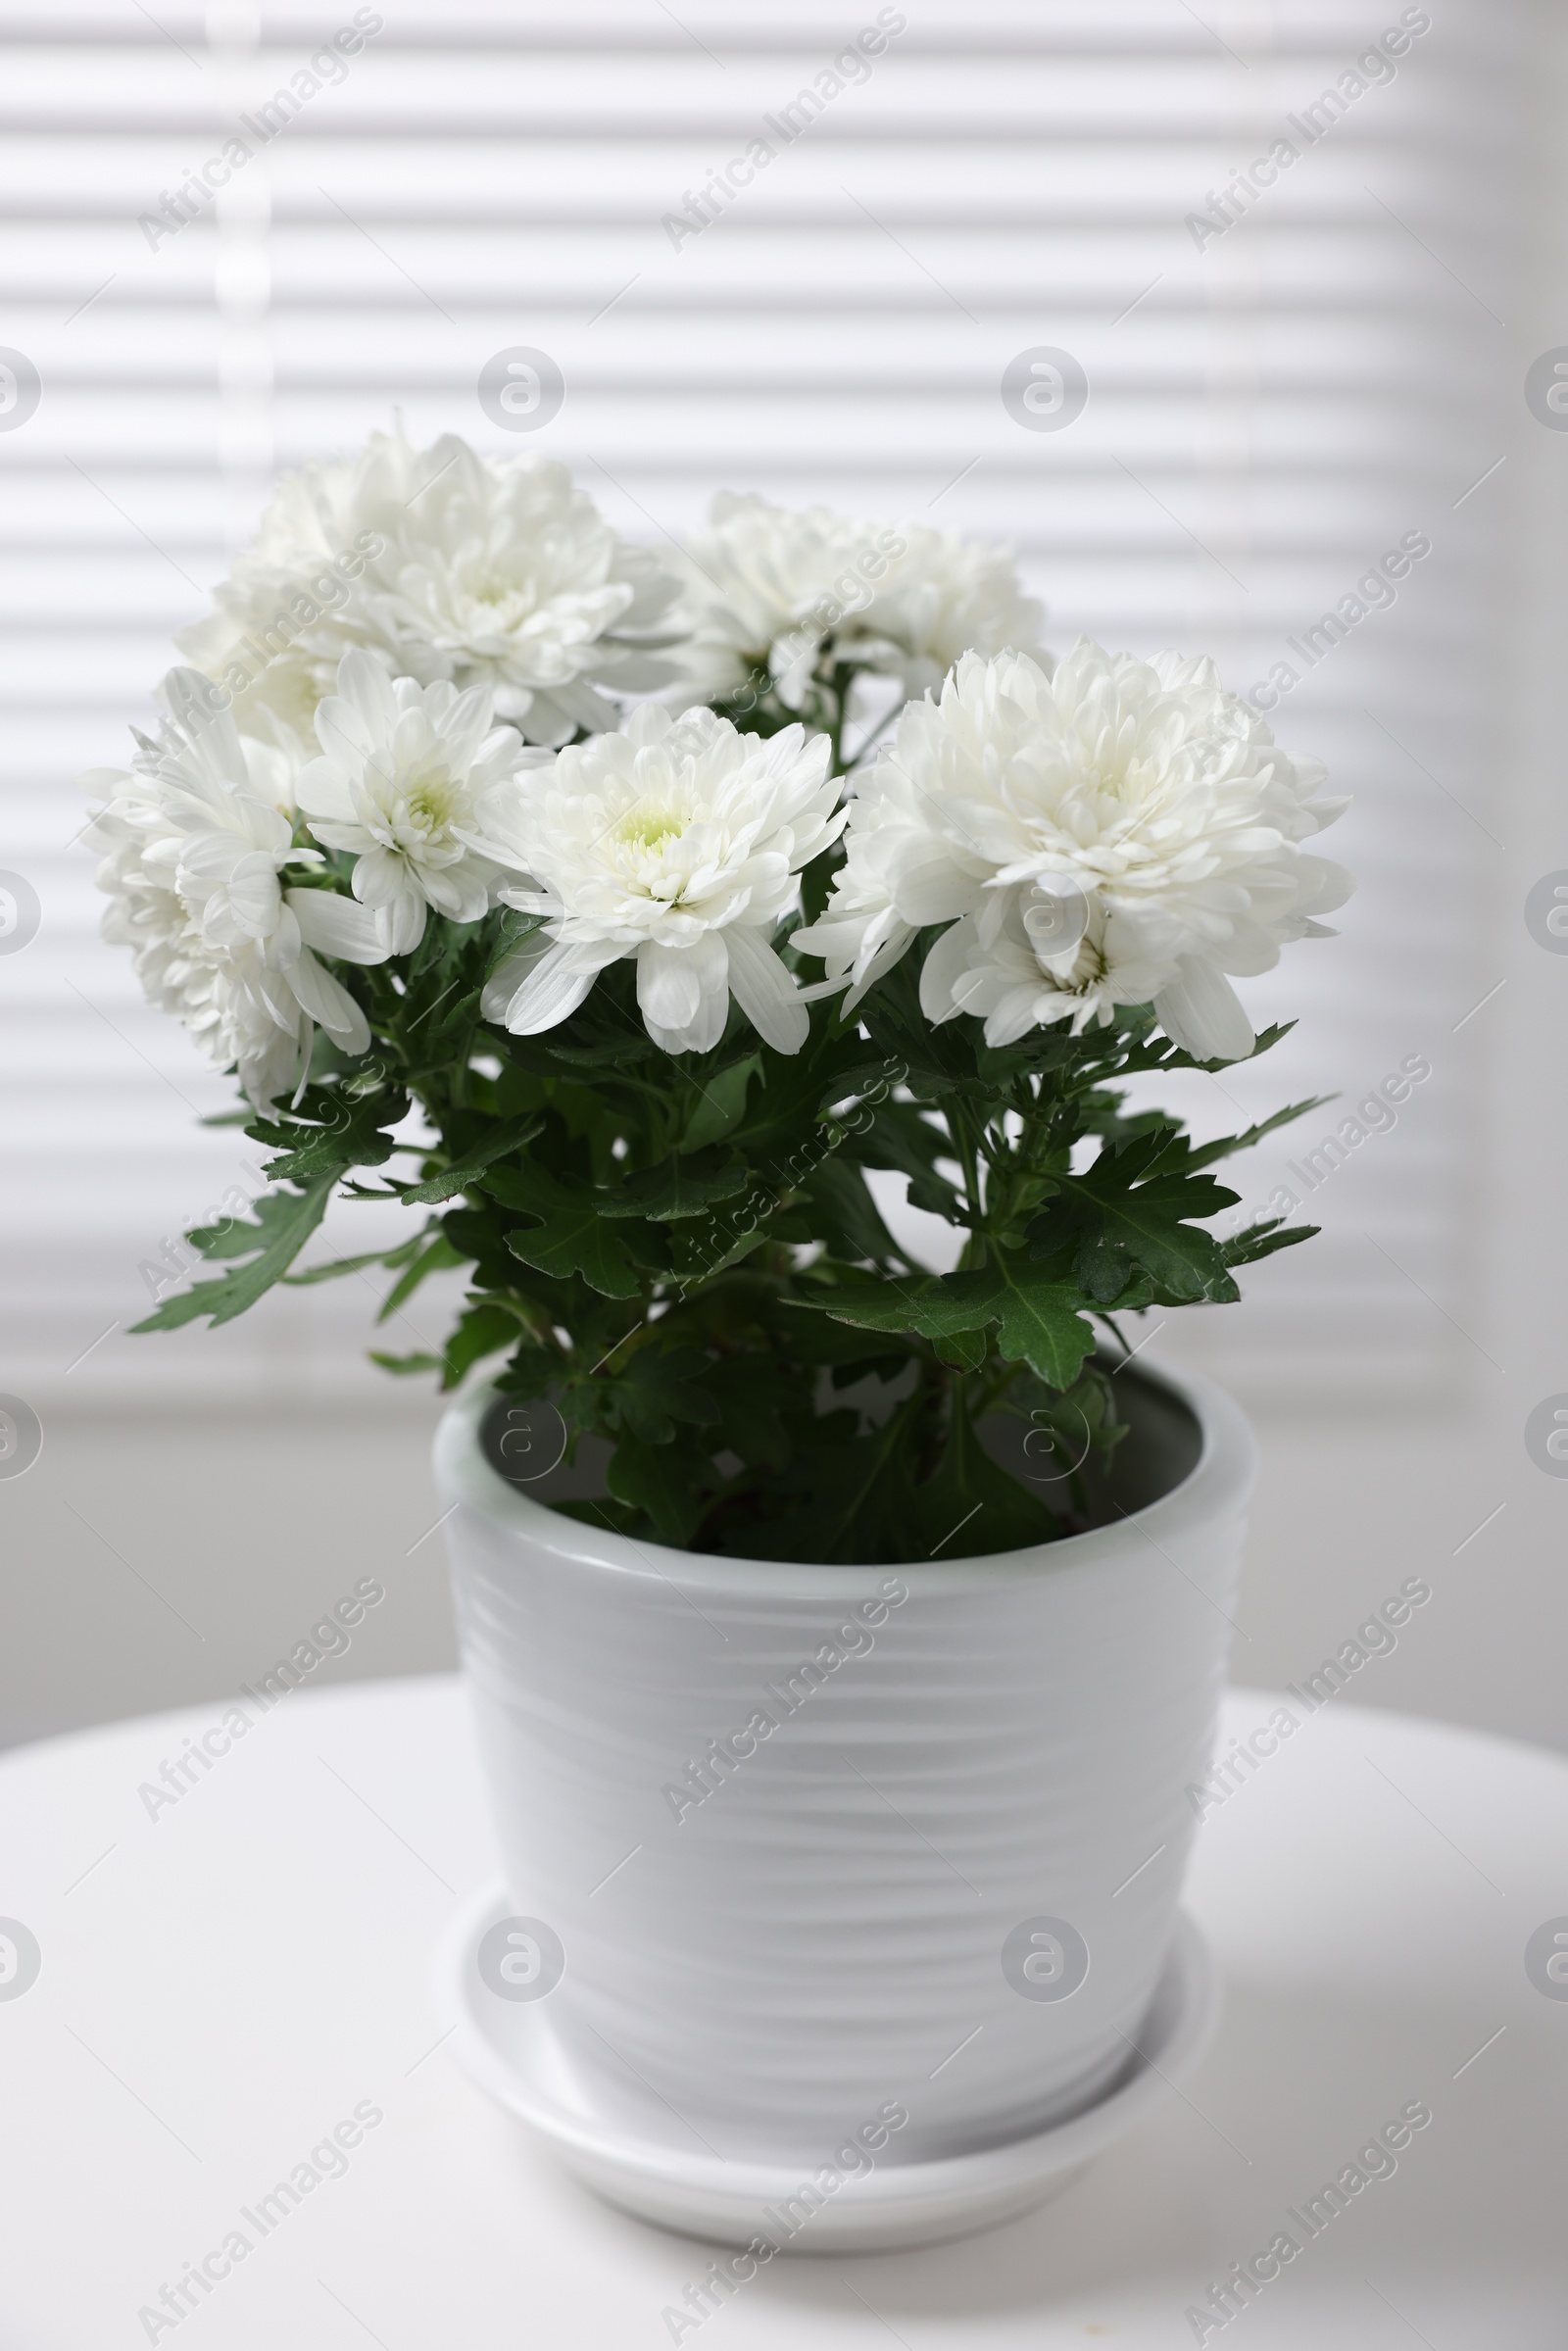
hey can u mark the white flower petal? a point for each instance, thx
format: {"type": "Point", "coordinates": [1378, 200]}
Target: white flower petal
{"type": "Point", "coordinates": [930, 888]}
{"type": "Point", "coordinates": [764, 991]}
{"type": "Point", "coordinates": [769, 590]}
{"type": "Point", "coordinates": [325, 794]}
{"type": "Point", "coordinates": [669, 986]}
{"type": "Point", "coordinates": [337, 926]}
{"type": "Point", "coordinates": [1202, 1012]}
{"type": "Point", "coordinates": [660, 842]}
{"type": "Point", "coordinates": [328, 1002]}
{"type": "Point", "coordinates": [899, 936]}
{"type": "Point", "coordinates": [1014, 1013]}
{"type": "Point", "coordinates": [702, 983]}
{"type": "Point", "coordinates": [404, 772]}
{"type": "Point", "coordinates": [942, 968]}
{"type": "Point", "coordinates": [1140, 791]}
{"type": "Point", "coordinates": [488, 572]}
{"type": "Point", "coordinates": [552, 985]}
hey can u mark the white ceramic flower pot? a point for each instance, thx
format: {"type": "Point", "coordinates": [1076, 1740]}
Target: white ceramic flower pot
{"type": "Point", "coordinates": [822, 1841]}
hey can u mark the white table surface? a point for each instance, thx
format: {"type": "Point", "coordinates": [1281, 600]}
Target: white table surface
{"type": "Point", "coordinates": [224, 1982]}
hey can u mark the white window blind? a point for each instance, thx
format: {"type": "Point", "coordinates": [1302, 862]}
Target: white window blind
{"type": "Point", "coordinates": [1286, 380]}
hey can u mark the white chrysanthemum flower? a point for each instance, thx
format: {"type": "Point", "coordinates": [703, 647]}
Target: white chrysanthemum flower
{"type": "Point", "coordinates": [398, 784]}
{"type": "Point", "coordinates": [1121, 832]}
{"type": "Point", "coordinates": [196, 854]}
{"type": "Point", "coordinates": [781, 592]}
{"type": "Point", "coordinates": [445, 564]}
{"type": "Point", "coordinates": [677, 843]}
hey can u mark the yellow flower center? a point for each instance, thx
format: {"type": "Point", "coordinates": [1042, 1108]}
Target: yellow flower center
{"type": "Point", "coordinates": [648, 828]}
{"type": "Point", "coordinates": [429, 805]}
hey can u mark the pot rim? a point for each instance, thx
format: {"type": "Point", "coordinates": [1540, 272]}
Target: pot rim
{"type": "Point", "coordinates": [1218, 1483]}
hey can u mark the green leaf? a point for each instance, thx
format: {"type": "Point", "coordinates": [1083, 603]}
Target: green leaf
{"type": "Point", "coordinates": [1158, 1052]}
{"type": "Point", "coordinates": [849, 1351]}
{"type": "Point", "coordinates": [655, 1479]}
{"type": "Point", "coordinates": [722, 1102]}
{"type": "Point", "coordinates": [529, 1371]}
{"type": "Point", "coordinates": [935, 1308]}
{"type": "Point", "coordinates": [1037, 1318]}
{"type": "Point", "coordinates": [1131, 1212]}
{"type": "Point", "coordinates": [685, 1186]}
{"type": "Point", "coordinates": [861, 1489]}
{"type": "Point", "coordinates": [1040, 1323]}
{"type": "Point", "coordinates": [972, 1505]}
{"type": "Point", "coordinates": [1262, 1240]}
{"type": "Point", "coordinates": [334, 1270]}
{"type": "Point", "coordinates": [436, 1256]}
{"type": "Point", "coordinates": [336, 1267]}
{"type": "Point", "coordinates": [573, 1235]}
{"type": "Point", "coordinates": [1207, 1154]}
{"type": "Point", "coordinates": [405, 1367]}
{"type": "Point", "coordinates": [754, 1396]}
{"type": "Point", "coordinates": [483, 1329]}
{"type": "Point", "coordinates": [474, 1162]}
{"type": "Point", "coordinates": [332, 1134]}
{"type": "Point", "coordinates": [284, 1221]}
{"type": "Point", "coordinates": [898, 1138]}
{"type": "Point", "coordinates": [508, 929]}
{"type": "Point", "coordinates": [659, 1387]}
{"type": "Point", "coordinates": [846, 1217]}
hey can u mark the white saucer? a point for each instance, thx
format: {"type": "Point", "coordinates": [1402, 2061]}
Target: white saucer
{"type": "Point", "coordinates": [508, 2048]}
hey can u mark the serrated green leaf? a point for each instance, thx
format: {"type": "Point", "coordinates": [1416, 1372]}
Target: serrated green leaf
{"type": "Point", "coordinates": [1038, 1319]}
{"type": "Point", "coordinates": [335, 1270]}
{"type": "Point", "coordinates": [483, 1329]}
{"type": "Point", "coordinates": [934, 1309]}
{"type": "Point", "coordinates": [754, 1396]}
{"type": "Point", "coordinates": [677, 1188]}
{"type": "Point", "coordinates": [1207, 1154]}
{"type": "Point", "coordinates": [506, 1139]}
{"type": "Point", "coordinates": [1158, 1052]}
{"type": "Point", "coordinates": [436, 1255]}
{"type": "Point", "coordinates": [529, 1371]}
{"type": "Point", "coordinates": [283, 1222]}
{"type": "Point", "coordinates": [1262, 1240]}
{"type": "Point", "coordinates": [573, 1237]}
{"type": "Point", "coordinates": [1132, 1211]}
{"type": "Point", "coordinates": [332, 1135]}
{"type": "Point", "coordinates": [839, 1344]}
{"type": "Point", "coordinates": [660, 1385]}
{"type": "Point", "coordinates": [1040, 1323]}
{"type": "Point", "coordinates": [655, 1479]}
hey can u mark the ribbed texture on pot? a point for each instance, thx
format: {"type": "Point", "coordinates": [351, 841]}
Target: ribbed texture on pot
{"type": "Point", "coordinates": [821, 1934]}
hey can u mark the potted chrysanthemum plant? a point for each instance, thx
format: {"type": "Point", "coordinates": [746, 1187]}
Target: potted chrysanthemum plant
{"type": "Point", "coordinates": [833, 1620]}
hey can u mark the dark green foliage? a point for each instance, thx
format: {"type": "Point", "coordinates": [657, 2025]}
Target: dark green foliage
{"type": "Point", "coordinates": [686, 1255]}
